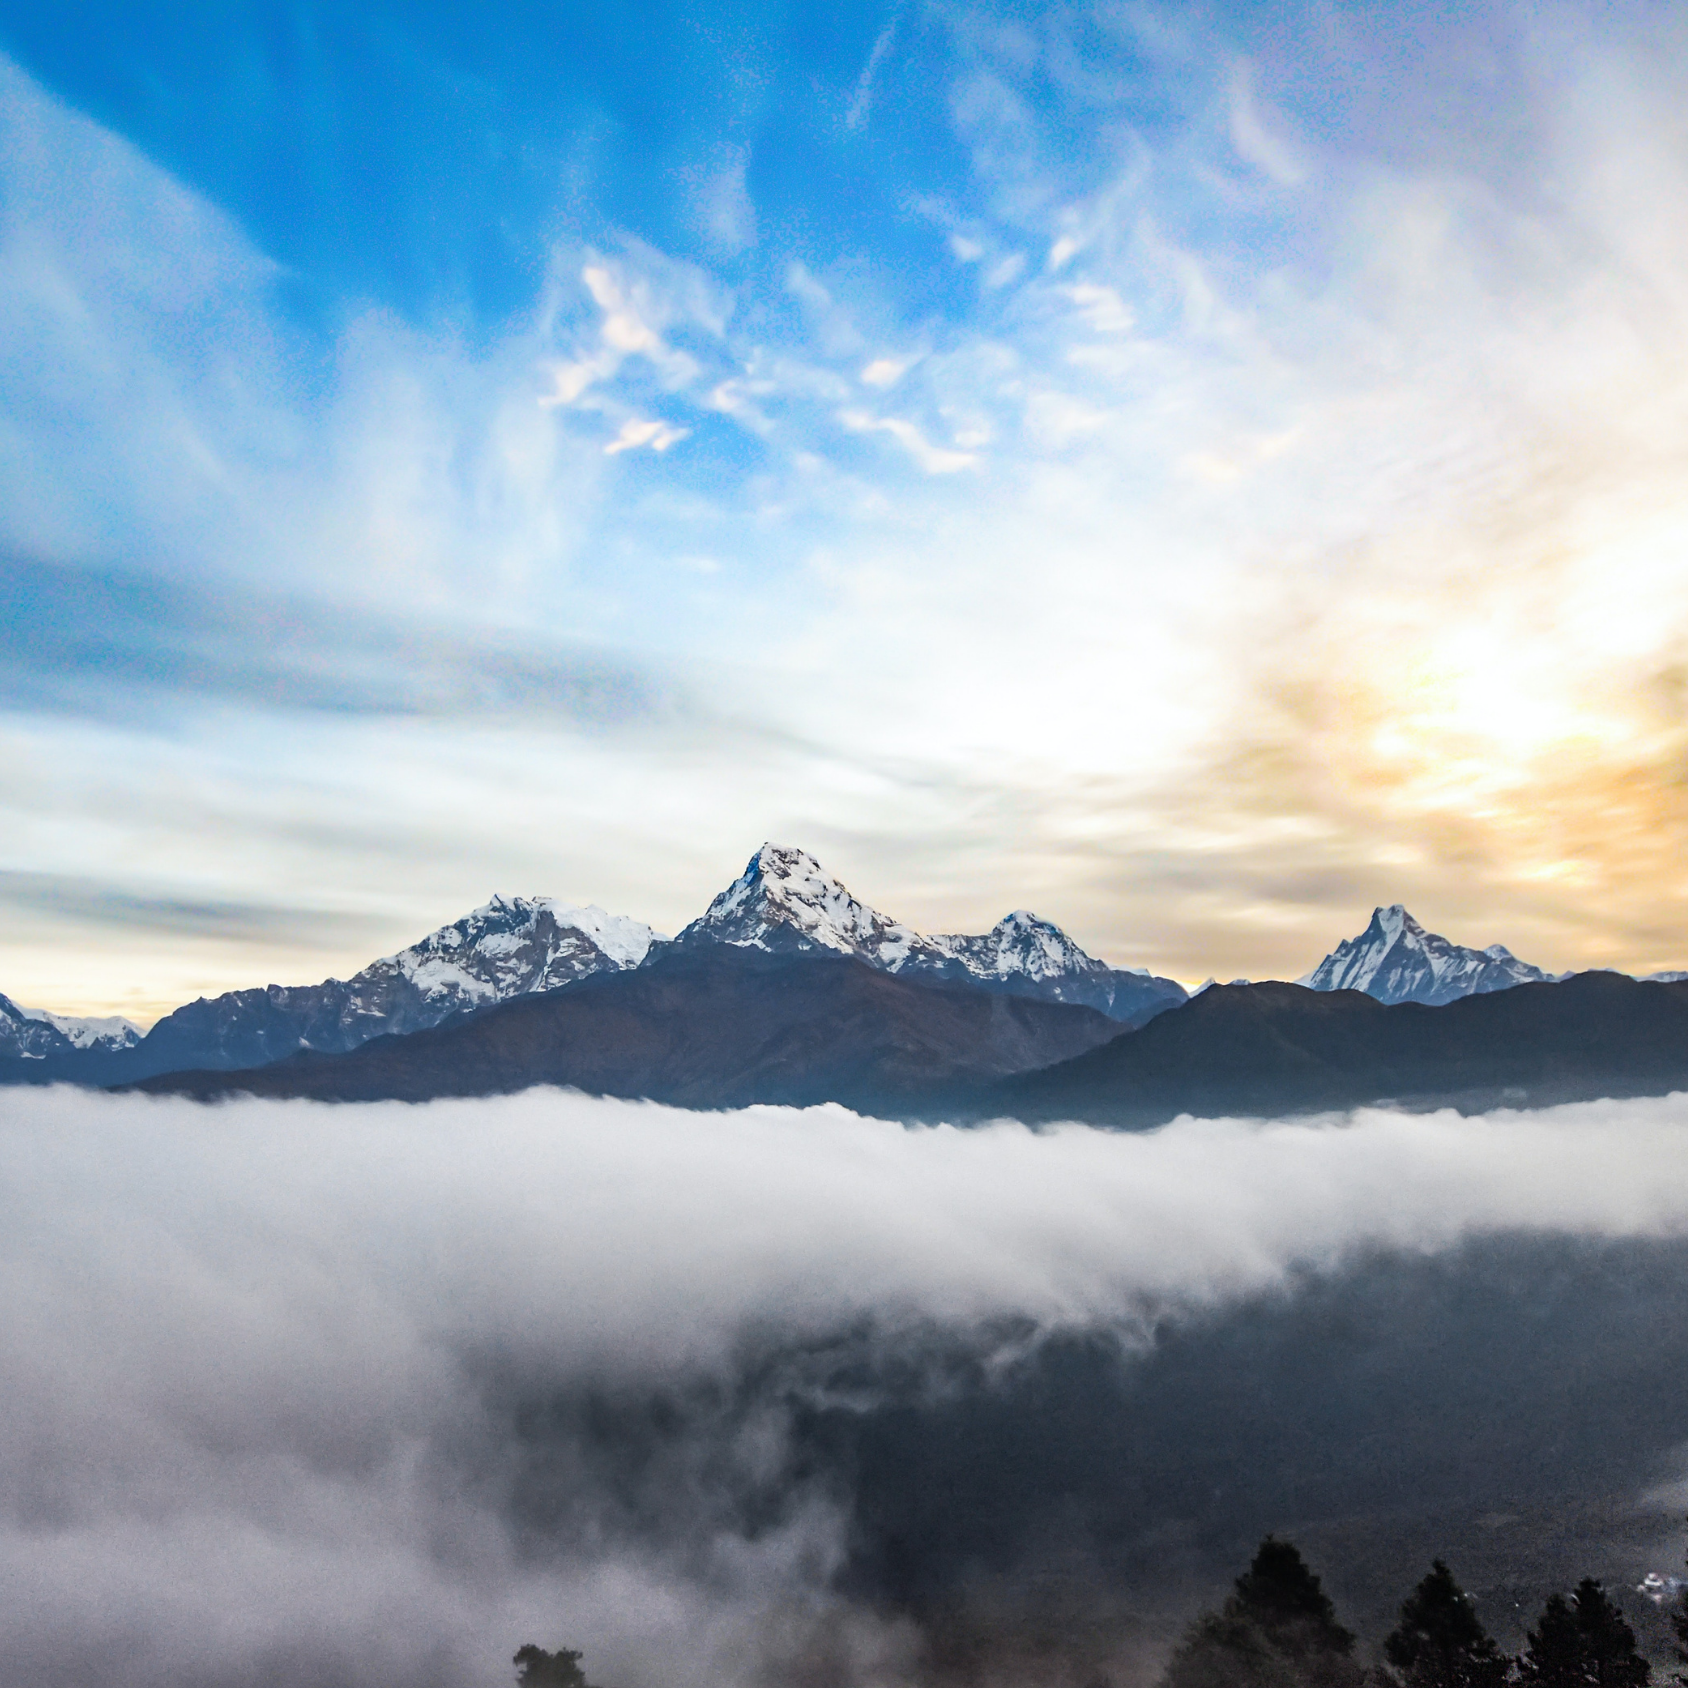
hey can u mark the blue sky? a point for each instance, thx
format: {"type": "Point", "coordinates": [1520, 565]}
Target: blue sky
{"type": "Point", "coordinates": [1196, 472]}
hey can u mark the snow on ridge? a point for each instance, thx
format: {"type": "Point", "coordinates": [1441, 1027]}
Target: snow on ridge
{"type": "Point", "coordinates": [624, 940]}
{"type": "Point", "coordinates": [1396, 960]}
{"type": "Point", "coordinates": [1019, 944]}
{"type": "Point", "coordinates": [786, 888]}
{"type": "Point", "coordinates": [502, 925]}
{"type": "Point", "coordinates": [88, 1031]}
{"type": "Point", "coordinates": [785, 899]}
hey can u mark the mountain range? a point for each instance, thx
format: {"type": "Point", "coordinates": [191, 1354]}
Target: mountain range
{"type": "Point", "coordinates": [719, 1026]}
{"type": "Point", "coordinates": [785, 902]}
{"type": "Point", "coordinates": [32, 1033]}
{"type": "Point", "coordinates": [515, 947]}
{"type": "Point", "coordinates": [789, 989]}
{"type": "Point", "coordinates": [707, 1026]}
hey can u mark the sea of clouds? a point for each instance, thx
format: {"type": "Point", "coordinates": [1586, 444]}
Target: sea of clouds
{"type": "Point", "coordinates": [298, 1394]}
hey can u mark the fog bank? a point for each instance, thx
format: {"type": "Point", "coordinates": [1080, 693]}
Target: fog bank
{"type": "Point", "coordinates": [303, 1394]}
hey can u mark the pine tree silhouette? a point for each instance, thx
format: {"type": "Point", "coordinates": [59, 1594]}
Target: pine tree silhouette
{"type": "Point", "coordinates": [1439, 1643]}
{"type": "Point", "coordinates": [540, 1669]}
{"type": "Point", "coordinates": [1582, 1642]}
{"type": "Point", "coordinates": [1287, 1601]}
{"type": "Point", "coordinates": [1277, 1630]}
{"type": "Point", "coordinates": [1553, 1649]}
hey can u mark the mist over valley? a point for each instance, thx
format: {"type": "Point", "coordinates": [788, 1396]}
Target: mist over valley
{"type": "Point", "coordinates": [369, 1394]}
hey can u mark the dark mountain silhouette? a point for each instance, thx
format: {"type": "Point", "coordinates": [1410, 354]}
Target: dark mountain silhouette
{"type": "Point", "coordinates": [1272, 1049]}
{"type": "Point", "coordinates": [714, 1027]}
{"type": "Point", "coordinates": [721, 1026]}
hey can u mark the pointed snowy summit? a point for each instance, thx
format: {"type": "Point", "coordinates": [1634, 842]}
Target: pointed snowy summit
{"type": "Point", "coordinates": [786, 902]}
{"type": "Point", "coordinates": [1396, 960]}
{"type": "Point", "coordinates": [510, 946]}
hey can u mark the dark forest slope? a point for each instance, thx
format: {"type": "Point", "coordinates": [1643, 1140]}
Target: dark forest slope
{"type": "Point", "coordinates": [1282, 1049]}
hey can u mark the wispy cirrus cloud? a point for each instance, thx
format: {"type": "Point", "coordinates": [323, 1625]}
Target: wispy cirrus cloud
{"type": "Point", "coordinates": [1310, 503]}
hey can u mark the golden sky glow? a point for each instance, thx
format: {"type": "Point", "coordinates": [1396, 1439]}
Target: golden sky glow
{"type": "Point", "coordinates": [1292, 519]}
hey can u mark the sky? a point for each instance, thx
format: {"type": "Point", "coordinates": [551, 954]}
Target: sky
{"type": "Point", "coordinates": [1194, 471]}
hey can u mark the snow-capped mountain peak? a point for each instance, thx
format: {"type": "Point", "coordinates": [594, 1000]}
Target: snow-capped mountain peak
{"type": "Point", "coordinates": [1020, 943]}
{"type": "Point", "coordinates": [786, 901]}
{"type": "Point", "coordinates": [511, 946]}
{"type": "Point", "coordinates": [34, 1033]}
{"type": "Point", "coordinates": [90, 1031]}
{"type": "Point", "coordinates": [1396, 960]}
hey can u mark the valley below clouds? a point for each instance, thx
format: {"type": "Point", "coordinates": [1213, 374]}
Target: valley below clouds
{"type": "Point", "coordinates": [306, 1394]}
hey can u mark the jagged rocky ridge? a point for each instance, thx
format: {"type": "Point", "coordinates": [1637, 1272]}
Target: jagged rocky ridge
{"type": "Point", "coordinates": [787, 903]}
{"type": "Point", "coordinates": [706, 1026]}
{"type": "Point", "coordinates": [35, 1034]}
{"type": "Point", "coordinates": [514, 947]}
{"type": "Point", "coordinates": [509, 947]}
{"type": "Point", "coordinates": [1396, 960]}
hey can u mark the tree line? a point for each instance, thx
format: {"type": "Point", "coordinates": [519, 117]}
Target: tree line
{"type": "Point", "coordinates": [1278, 1629]}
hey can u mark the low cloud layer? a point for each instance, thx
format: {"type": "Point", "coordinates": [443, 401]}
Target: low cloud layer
{"type": "Point", "coordinates": [302, 1394]}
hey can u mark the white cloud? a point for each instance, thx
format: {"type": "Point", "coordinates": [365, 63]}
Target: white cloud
{"type": "Point", "coordinates": [1257, 135]}
{"type": "Point", "coordinates": [625, 332]}
{"type": "Point", "coordinates": [261, 1360]}
{"type": "Point", "coordinates": [884, 372]}
{"type": "Point", "coordinates": [934, 459]}
{"type": "Point", "coordinates": [659, 436]}
{"type": "Point", "coordinates": [861, 101]}
{"type": "Point", "coordinates": [1101, 308]}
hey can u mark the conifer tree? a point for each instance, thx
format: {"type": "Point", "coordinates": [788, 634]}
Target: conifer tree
{"type": "Point", "coordinates": [540, 1669]}
{"type": "Point", "coordinates": [1553, 1649]}
{"type": "Point", "coordinates": [1277, 1630]}
{"type": "Point", "coordinates": [1612, 1656]}
{"type": "Point", "coordinates": [1679, 1625]}
{"type": "Point", "coordinates": [1439, 1642]}
{"type": "Point", "coordinates": [1287, 1601]}
{"type": "Point", "coordinates": [1583, 1642]}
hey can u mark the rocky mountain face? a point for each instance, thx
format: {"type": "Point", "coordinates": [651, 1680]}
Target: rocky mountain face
{"type": "Point", "coordinates": [34, 1034]}
{"type": "Point", "coordinates": [785, 902]}
{"type": "Point", "coordinates": [725, 1026]}
{"type": "Point", "coordinates": [1396, 960]}
{"type": "Point", "coordinates": [509, 947]}
{"type": "Point", "coordinates": [705, 1026]}
{"type": "Point", "coordinates": [789, 989]}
